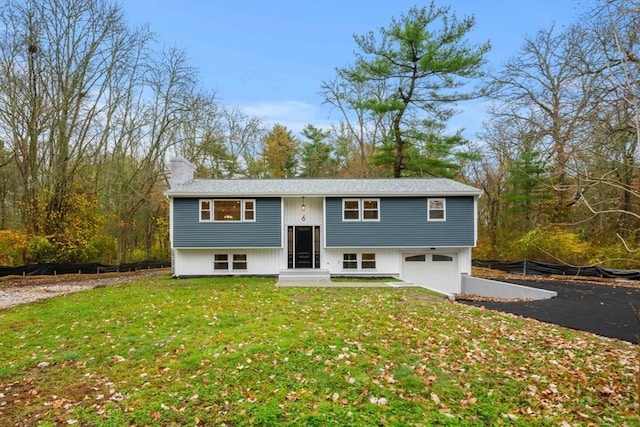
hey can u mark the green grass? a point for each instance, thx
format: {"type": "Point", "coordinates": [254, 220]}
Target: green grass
{"type": "Point", "coordinates": [239, 351]}
{"type": "Point", "coordinates": [364, 279]}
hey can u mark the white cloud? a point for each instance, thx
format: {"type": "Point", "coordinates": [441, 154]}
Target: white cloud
{"type": "Point", "coordinates": [294, 115]}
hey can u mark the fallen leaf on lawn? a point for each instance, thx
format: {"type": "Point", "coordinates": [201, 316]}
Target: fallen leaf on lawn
{"type": "Point", "coordinates": [435, 398]}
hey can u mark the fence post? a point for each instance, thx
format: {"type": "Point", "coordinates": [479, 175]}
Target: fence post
{"type": "Point", "coordinates": [524, 267]}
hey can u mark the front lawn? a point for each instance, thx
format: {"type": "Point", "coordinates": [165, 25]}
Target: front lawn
{"type": "Point", "coordinates": [237, 351]}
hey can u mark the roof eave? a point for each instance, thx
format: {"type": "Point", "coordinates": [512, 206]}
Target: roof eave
{"type": "Point", "coordinates": [182, 194]}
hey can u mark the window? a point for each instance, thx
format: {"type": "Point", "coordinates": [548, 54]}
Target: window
{"type": "Point", "coordinates": [441, 258]}
{"type": "Point", "coordinates": [227, 210]}
{"type": "Point", "coordinates": [205, 210]}
{"type": "Point", "coordinates": [221, 262]}
{"type": "Point", "coordinates": [239, 261]}
{"type": "Point", "coordinates": [368, 261]}
{"type": "Point", "coordinates": [350, 261]}
{"type": "Point", "coordinates": [351, 210]}
{"type": "Point", "coordinates": [436, 210]}
{"type": "Point", "coordinates": [361, 209]}
{"type": "Point", "coordinates": [416, 258]}
{"type": "Point", "coordinates": [249, 210]}
{"type": "Point", "coordinates": [370, 210]}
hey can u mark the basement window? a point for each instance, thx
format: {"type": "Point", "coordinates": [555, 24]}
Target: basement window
{"type": "Point", "coordinates": [350, 261]}
{"type": "Point", "coordinates": [221, 262]}
{"type": "Point", "coordinates": [240, 261]}
{"type": "Point", "coordinates": [368, 261]}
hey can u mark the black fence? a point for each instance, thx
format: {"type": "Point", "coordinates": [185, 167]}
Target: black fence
{"type": "Point", "coordinates": [546, 269]}
{"type": "Point", "coordinates": [91, 268]}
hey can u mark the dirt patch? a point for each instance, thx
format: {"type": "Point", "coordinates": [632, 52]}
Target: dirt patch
{"type": "Point", "coordinates": [16, 290]}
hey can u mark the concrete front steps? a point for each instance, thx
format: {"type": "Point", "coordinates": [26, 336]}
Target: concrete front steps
{"type": "Point", "coordinates": [289, 277]}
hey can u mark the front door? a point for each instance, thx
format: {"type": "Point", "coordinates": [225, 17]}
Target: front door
{"type": "Point", "coordinates": [304, 247]}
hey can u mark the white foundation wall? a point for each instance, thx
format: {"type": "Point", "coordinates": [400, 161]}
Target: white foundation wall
{"type": "Point", "coordinates": [388, 261]}
{"type": "Point", "coordinates": [464, 260]}
{"type": "Point", "coordinates": [199, 262]}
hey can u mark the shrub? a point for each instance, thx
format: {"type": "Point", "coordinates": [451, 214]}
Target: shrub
{"type": "Point", "coordinates": [13, 247]}
{"type": "Point", "coordinates": [553, 245]}
{"type": "Point", "coordinates": [40, 250]}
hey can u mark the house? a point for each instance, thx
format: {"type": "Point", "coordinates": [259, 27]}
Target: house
{"type": "Point", "coordinates": [419, 230]}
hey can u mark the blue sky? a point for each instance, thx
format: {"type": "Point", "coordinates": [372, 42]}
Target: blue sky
{"type": "Point", "coordinates": [269, 57]}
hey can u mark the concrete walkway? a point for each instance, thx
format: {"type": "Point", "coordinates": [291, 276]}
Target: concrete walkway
{"type": "Point", "coordinates": [331, 284]}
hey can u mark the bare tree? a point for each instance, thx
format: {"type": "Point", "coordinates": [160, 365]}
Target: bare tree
{"type": "Point", "coordinates": [545, 89]}
{"type": "Point", "coordinates": [58, 61]}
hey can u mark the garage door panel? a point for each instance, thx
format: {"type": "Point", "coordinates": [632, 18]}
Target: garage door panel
{"type": "Point", "coordinates": [436, 271]}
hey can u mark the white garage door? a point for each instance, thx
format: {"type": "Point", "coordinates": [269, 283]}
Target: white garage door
{"type": "Point", "coordinates": [435, 271]}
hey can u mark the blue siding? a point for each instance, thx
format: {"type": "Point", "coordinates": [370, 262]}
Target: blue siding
{"type": "Point", "coordinates": [189, 232]}
{"type": "Point", "coordinates": [403, 222]}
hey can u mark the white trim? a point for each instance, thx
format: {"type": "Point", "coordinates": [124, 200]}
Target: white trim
{"type": "Point", "coordinates": [225, 248]}
{"type": "Point", "coordinates": [171, 222]}
{"type": "Point", "coordinates": [426, 248]}
{"type": "Point", "coordinates": [213, 210]}
{"type": "Point", "coordinates": [324, 223]}
{"type": "Point", "coordinates": [230, 261]}
{"type": "Point", "coordinates": [210, 210]}
{"type": "Point", "coordinates": [444, 209]}
{"type": "Point", "coordinates": [362, 209]}
{"type": "Point", "coordinates": [244, 210]}
{"type": "Point", "coordinates": [475, 221]}
{"type": "Point", "coordinates": [359, 268]}
{"type": "Point", "coordinates": [344, 209]}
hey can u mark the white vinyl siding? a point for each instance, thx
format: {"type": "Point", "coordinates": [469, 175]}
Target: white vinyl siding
{"type": "Point", "coordinates": [199, 262]}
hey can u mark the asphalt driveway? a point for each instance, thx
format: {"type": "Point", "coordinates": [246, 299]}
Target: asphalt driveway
{"type": "Point", "coordinates": [602, 309]}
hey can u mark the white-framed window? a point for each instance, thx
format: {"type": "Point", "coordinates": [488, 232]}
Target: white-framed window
{"type": "Point", "coordinates": [249, 210]}
{"type": "Point", "coordinates": [436, 209]}
{"type": "Point", "coordinates": [239, 261]}
{"type": "Point", "coordinates": [230, 262]}
{"type": "Point", "coordinates": [370, 209]}
{"type": "Point", "coordinates": [368, 261]}
{"type": "Point", "coordinates": [361, 209]}
{"type": "Point", "coordinates": [350, 261]}
{"type": "Point", "coordinates": [227, 210]}
{"type": "Point", "coordinates": [205, 210]}
{"type": "Point", "coordinates": [221, 262]}
{"type": "Point", "coordinates": [351, 209]}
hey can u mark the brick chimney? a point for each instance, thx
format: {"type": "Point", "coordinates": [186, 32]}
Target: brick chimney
{"type": "Point", "coordinates": [180, 171]}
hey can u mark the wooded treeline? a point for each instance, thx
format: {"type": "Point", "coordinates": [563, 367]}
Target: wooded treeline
{"type": "Point", "coordinates": [91, 109]}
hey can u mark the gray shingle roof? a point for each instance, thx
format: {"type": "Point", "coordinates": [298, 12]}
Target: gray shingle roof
{"type": "Point", "coordinates": [322, 187]}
